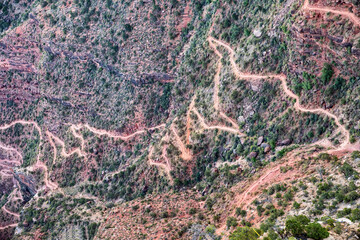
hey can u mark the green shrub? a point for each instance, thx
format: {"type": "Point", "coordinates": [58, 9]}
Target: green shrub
{"type": "Point", "coordinates": [231, 222]}
{"type": "Point", "coordinates": [355, 214]}
{"type": "Point", "coordinates": [245, 233]}
{"type": "Point", "coordinates": [348, 170]}
{"type": "Point", "coordinates": [316, 231]}
{"type": "Point", "coordinates": [326, 73]}
{"type": "Point", "coordinates": [192, 211]}
{"type": "Point", "coordinates": [296, 225]}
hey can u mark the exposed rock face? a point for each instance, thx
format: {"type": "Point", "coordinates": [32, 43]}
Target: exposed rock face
{"type": "Point", "coordinates": [27, 184]}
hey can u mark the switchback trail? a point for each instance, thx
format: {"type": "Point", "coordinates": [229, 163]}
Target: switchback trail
{"type": "Point", "coordinates": [355, 19]}
{"type": "Point", "coordinates": [54, 139]}
{"type": "Point", "coordinates": [223, 128]}
{"type": "Point", "coordinates": [185, 153]}
{"type": "Point", "coordinates": [216, 90]}
{"type": "Point", "coordinates": [102, 132]}
{"type": "Point", "coordinates": [273, 174]}
{"type": "Point", "coordinates": [192, 108]}
{"type": "Point", "coordinates": [282, 77]}
{"type": "Point", "coordinates": [38, 163]}
{"type": "Point", "coordinates": [166, 166]}
{"type": "Point", "coordinates": [10, 212]}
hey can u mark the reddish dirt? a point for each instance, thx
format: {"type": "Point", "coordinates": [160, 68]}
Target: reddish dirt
{"type": "Point", "coordinates": [126, 222]}
{"type": "Point", "coordinates": [186, 18]}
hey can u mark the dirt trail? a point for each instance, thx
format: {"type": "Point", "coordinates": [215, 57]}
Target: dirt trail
{"type": "Point", "coordinates": [192, 108]}
{"type": "Point", "coordinates": [282, 77]}
{"type": "Point", "coordinates": [102, 132]}
{"type": "Point", "coordinates": [223, 128]}
{"type": "Point", "coordinates": [355, 19]}
{"type": "Point", "coordinates": [273, 174]}
{"type": "Point", "coordinates": [268, 177]}
{"type": "Point", "coordinates": [166, 166]}
{"type": "Point", "coordinates": [216, 90]}
{"type": "Point", "coordinates": [52, 137]}
{"type": "Point", "coordinates": [188, 119]}
{"type": "Point", "coordinates": [6, 173]}
{"type": "Point", "coordinates": [11, 149]}
{"type": "Point", "coordinates": [9, 226]}
{"type": "Point", "coordinates": [10, 212]}
{"type": "Point", "coordinates": [185, 153]}
{"type": "Point", "coordinates": [38, 164]}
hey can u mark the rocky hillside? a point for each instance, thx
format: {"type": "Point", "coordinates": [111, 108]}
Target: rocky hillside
{"type": "Point", "coordinates": [179, 119]}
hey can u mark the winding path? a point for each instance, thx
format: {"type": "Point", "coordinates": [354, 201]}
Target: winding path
{"type": "Point", "coordinates": [223, 128]}
{"type": "Point", "coordinates": [273, 174]}
{"type": "Point", "coordinates": [282, 77]}
{"type": "Point", "coordinates": [54, 139]}
{"type": "Point", "coordinates": [9, 226]}
{"type": "Point", "coordinates": [102, 132]}
{"type": "Point", "coordinates": [166, 166]}
{"type": "Point", "coordinates": [185, 153]}
{"type": "Point", "coordinates": [216, 91]}
{"type": "Point", "coordinates": [351, 16]}
{"type": "Point", "coordinates": [10, 212]}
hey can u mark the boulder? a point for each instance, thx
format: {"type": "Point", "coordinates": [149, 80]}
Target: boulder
{"type": "Point", "coordinates": [264, 145]}
{"type": "Point", "coordinates": [344, 220]}
{"type": "Point", "coordinates": [252, 155]}
{"type": "Point", "coordinates": [267, 149]}
{"type": "Point", "coordinates": [260, 140]}
{"type": "Point", "coordinates": [284, 142]}
{"type": "Point", "coordinates": [241, 119]}
{"type": "Point", "coordinates": [257, 33]}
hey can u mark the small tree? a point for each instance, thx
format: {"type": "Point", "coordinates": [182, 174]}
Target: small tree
{"type": "Point", "coordinates": [244, 233]}
{"type": "Point", "coordinates": [231, 222]}
{"type": "Point", "coordinates": [296, 225]}
{"type": "Point", "coordinates": [316, 231]}
{"type": "Point", "coordinates": [326, 73]}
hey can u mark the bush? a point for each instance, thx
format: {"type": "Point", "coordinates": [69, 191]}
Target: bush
{"type": "Point", "coordinates": [296, 205]}
{"type": "Point", "coordinates": [355, 154]}
{"type": "Point", "coordinates": [210, 229]}
{"type": "Point", "coordinates": [296, 225]}
{"type": "Point", "coordinates": [347, 170]}
{"type": "Point", "coordinates": [355, 214]}
{"type": "Point", "coordinates": [92, 228]}
{"type": "Point", "coordinates": [245, 233]}
{"type": "Point", "coordinates": [326, 73]}
{"type": "Point", "coordinates": [192, 211]}
{"type": "Point", "coordinates": [231, 222]}
{"type": "Point", "coordinates": [241, 212]}
{"type": "Point", "coordinates": [316, 231]}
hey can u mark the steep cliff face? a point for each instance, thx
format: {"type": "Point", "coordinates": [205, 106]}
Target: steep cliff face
{"type": "Point", "coordinates": [201, 116]}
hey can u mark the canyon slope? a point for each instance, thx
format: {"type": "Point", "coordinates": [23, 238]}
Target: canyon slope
{"type": "Point", "coordinates": [179, 119]}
